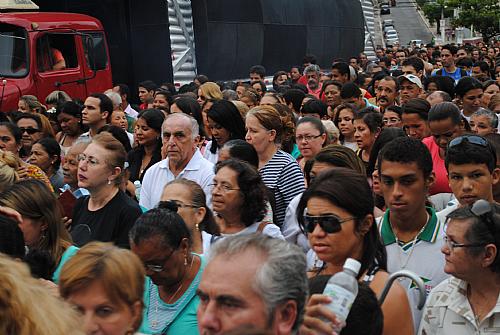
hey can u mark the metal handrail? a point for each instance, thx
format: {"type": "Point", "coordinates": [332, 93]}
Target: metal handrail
{"type": "Point", "coordinates": [408, 274]}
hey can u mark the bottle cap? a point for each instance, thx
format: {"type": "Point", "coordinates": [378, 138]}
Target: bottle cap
{"type": "Point", "coordinates": [137, 183]}
{"type": "Point", "coordinates": [352, 265]}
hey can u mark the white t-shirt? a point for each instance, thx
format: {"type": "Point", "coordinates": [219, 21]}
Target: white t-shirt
{"type": "Point", "coordinates": [156, 177]}
{"type": "Point", "coordinates": [424, 258]}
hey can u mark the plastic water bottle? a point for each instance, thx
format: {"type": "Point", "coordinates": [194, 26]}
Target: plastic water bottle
{"type": "Point", "coordinates": [342, 288]}
{"type": "Point", "coordinates": [138, 186]}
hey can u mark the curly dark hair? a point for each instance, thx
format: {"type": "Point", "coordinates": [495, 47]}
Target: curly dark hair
{"type": "Point", "coordinates": [252, 189]}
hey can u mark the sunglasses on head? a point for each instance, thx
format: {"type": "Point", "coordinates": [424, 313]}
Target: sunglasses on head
{"type": "Point", "coordinates": [329, 223]}
{"type": "Point", "coordinates": [30, 131]}
{"type": "Point", "coordinates": [473, 139]}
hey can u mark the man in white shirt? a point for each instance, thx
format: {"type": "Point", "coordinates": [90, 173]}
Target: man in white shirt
{"type": "Point", "coordinates": [180, 135]}
{"type": "Point", "coordinates": [96, 113]}
{"type": "Point", "coordinates": [410, 231]}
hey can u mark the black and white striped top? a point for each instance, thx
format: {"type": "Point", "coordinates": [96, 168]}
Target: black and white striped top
{"type": "Point", "coordinates": [282, 175]}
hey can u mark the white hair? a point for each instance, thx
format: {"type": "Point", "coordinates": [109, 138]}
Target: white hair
{"type": "Point", "coordinates": [281, 277]}
{"type": "Point", "coordinates": [195, 128]}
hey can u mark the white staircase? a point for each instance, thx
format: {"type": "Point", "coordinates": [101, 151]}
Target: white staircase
{"type": "Point", "coordinates": [369, 17]}
{"type": "Point", "coordinates": [182, 41]}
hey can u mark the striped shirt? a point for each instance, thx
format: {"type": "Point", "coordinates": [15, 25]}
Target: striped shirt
{"type": "Point", "coordinates": [282, 175]}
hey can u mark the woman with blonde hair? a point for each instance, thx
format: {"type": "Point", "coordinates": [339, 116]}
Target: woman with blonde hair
{"type": "Point", "coordinates": [30, 104]}
{"type": "Point", "coordinates": [105, 284]}
{"type": "Point", "coordinates": [278, 169]}
{"type": "Point", "coordinates": [41, 224]}
{"type": "Point", "coordinates": [8, 169]}
{"type": "Point", "coordinates": [28, 308]}
{"type": "Point", "coordinates": [208, 93]}
{"type": "Point", "coordinates": [11, 136]}
{"type": "Point", "coordinates": [107, 214]}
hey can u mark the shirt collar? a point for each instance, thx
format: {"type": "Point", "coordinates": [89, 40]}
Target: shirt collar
{"type": "Point", "coordinates": [429, 234]}
{"type": "Point", "coordinates": [193, 164]}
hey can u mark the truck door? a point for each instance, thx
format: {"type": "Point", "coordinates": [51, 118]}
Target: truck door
{"type": "Point", "coordinates": [57, 65]}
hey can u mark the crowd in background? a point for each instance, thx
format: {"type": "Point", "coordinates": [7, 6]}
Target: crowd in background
{"type": "Point", "coordinates": [225, 207]}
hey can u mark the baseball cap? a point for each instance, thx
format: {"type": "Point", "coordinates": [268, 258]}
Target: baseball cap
{"type": "Point", "coordinates": [412, 78]}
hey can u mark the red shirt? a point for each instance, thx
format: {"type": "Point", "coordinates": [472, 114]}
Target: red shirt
{"type": "Point", "coordinates": [441, 184]}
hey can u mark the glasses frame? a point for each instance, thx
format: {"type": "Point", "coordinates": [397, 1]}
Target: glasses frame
{"type": "Point", "coordinates": [83, 157]}
{"type": "Point", "coordinates": [307, 138]}
{"type": "Point", "coordinates": [29, 131]}
{"type": "Point", "coordinates": [452, 245]}
{"type": "Point", "coordinates": [158, 268]}
{"type": "Point", "coordinates": [311, 221]}
{"type": "Point", "coordinates": [223, 188]}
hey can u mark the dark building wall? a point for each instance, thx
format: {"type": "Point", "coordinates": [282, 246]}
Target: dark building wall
{"type": "Point", "coordinates": [232, 35]}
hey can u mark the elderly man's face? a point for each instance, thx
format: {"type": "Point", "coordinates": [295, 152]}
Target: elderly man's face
{"type": "Point", "coordinates": [228, 298]}
{"type": "Point", "coordinates": [312, 79]}
{"type": "Point", "coordinates": [178, 140]}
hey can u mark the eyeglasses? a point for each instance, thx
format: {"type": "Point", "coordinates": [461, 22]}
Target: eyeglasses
{"type": "Point", "coordinates": [174, 205]}
{"type": "Point", "coordinates": [307, 138]}
{"type": "Point", "coordinates": [158, 268]}
{"type": "Point", "coordinates": [329, 223]}
{"type": "Point", "coordinates": [473, 139]}
{"type": "Point", "coordinates": [30, 131]}
{"type": "Point", "coordinates": [452, 245]}
{"type": "Point", "coordinates": [223, 187]}
{"type": "Point", "coordinates": [92, 161]}
{"type": "Point", "coordinates": [391, 120]}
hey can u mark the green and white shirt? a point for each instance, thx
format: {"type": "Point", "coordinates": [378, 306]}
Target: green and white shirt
{"type": "Point", "coordinates": [424, 258]}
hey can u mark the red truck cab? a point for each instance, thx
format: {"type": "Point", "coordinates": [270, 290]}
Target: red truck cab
{"type": "Point", "coordinates": [42, 52]}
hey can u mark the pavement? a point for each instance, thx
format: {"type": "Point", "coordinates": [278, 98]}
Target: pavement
{"type": "Point", "coordinates": [408, 22]}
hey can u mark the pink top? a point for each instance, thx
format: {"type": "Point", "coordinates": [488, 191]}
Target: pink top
{"type": "Point", "coordinates": [441, 184]}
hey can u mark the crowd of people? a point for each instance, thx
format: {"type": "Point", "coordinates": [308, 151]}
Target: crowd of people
{"type": "Point", "coordinates": [225, 207]}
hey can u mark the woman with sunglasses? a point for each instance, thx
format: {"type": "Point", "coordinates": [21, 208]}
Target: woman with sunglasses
{"type": "Point", "coordinates": [31, 131]}
{"type": "Point", "coordinates": [187, 198]}
{"type": "Point", "coordinates": [336, 212]}
{"type": "Point", "coordinates": [472, 244]}
{"type": "Point", "coordinates": [163, 242]}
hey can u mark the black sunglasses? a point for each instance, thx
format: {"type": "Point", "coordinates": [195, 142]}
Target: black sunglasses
{"type": "Point", "coordinates": [329, 223]}
{"type": "Point", "coordinates": [30, 131]}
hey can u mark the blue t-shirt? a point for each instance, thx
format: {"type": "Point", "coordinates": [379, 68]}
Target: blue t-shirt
{"type": "Point", "coordinates": [455, 75]}
{"type": "Point", "coordinates": [70, 252]}
{"type": "Point", "coordinates": [178, 318]}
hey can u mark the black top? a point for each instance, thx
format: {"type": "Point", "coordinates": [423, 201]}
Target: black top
{"type": "Point", "coordinates": [108, 224]}
{"type": "Point", "coordinates": [135, 161]}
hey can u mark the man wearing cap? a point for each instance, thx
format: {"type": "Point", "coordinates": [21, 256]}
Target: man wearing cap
{"type": "Point", "coordinates": [410, 87]}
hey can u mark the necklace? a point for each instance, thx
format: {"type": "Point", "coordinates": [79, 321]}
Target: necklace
{"type": "Point", "coordinates": [403, 266]}
{"type": "Point", "coordinates": [154, 323]}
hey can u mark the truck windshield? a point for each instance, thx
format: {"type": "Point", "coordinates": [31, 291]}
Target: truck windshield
{"type": "Point", "coordinates": [13, 51]}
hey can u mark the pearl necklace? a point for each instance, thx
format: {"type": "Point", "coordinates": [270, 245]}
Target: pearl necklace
{"type": "Point", "coordinates": [155, 322]}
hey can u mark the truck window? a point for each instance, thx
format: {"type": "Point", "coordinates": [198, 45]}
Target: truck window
{"type": "Point", "coordinates": [97, 55]}
{"type": "Point", "coordinates": [56, 52]}
{"type": "Point", "coordinates": [13, 51]}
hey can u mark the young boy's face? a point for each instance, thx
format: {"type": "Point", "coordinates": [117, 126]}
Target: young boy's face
{"type": "Point", "coordinates": [481, 125]}
{"type": "Point", "coordinates": [471, 182]}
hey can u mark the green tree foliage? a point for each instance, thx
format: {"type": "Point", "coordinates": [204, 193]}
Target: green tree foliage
{"type": "Point", "coordinates": [484, 15]}
{"type": "Point", "coordinates": [434, 10]}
